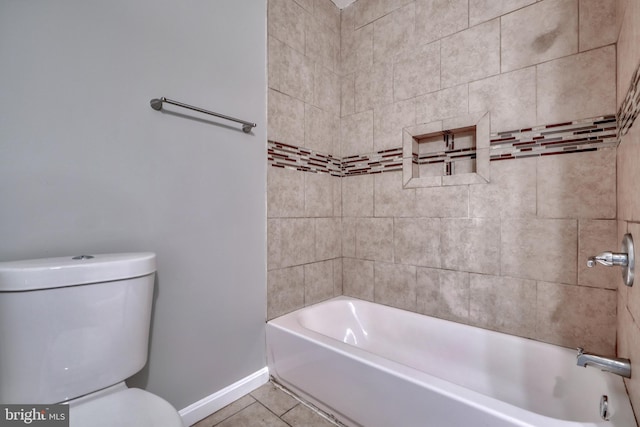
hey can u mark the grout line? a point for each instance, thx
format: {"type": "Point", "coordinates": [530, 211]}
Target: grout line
{"type": "Point", "coordinates": [500, 36]}
{"type": "Point", "coordinates": [440, 58]}
{"type": "Point", "coordinates": [286, 412]}
{"type": "Point", "coordinates": [328, 417]}
{"type": "Point", "coordinates": [235, 413]}
{"type": "Point", "coordinates": [537, 187]}
{"type": "Point", "coordinates": [276, 415]}
{"type": "Point", "coordinates": [578, 25]}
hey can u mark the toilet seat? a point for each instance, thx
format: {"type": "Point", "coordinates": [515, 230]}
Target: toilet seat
{"type": "Point", "coordinates": [129, 407]}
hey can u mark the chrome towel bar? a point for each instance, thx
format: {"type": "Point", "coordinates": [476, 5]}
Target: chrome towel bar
{"type": "Point", "coordinates": [156, 104]}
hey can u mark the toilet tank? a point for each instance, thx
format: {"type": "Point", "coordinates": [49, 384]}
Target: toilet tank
{"type": "Point", "coordinates": [73, 325]}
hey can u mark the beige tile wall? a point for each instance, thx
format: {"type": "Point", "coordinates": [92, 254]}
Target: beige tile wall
{"type": "Point", "coordinates": [506, 255]}
{"type": "Point", "coordinates": [518, 261]}
{"type": "Point", "coordinates": [628, 160]}
{"type": "Point", "coordinates": [304, 210]}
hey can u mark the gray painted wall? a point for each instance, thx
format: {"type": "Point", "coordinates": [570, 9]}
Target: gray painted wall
{"type": "Point", "coordinates": [86, 166]}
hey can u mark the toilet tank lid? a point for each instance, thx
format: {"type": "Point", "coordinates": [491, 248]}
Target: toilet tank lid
{"type": "Point", "coordinates": [58, 272]}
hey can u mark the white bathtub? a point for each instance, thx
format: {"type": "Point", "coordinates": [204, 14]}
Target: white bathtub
{"type": "Point", "coordinates": [372, 365]}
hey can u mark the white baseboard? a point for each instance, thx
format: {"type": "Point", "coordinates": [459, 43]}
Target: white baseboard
{"type": "Point", "coordinates": [218, 400]}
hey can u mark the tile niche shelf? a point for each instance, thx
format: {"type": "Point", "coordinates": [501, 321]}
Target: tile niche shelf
{"type": "Point", "coordinates": [447, 152]}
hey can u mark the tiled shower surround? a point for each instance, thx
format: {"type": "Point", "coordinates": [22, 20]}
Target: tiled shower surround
{"type": "Point", "coordinates": [509, 255]}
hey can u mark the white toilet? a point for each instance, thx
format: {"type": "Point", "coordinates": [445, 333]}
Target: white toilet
{"type": "Point", "coordinates": [72, 330]}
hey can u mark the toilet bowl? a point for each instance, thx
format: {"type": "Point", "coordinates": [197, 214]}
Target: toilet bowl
{"type": "Point", "coordinates": [80, 327]}
{"type": "Point", "coordinates": [123, 407]}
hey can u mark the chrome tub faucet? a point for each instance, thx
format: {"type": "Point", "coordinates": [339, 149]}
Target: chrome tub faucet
{"type": "Point", "coordinates": [616, 365]}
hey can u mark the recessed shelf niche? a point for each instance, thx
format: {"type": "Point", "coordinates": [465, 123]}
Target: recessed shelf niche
{"type": "Point", "coordinates": [449, 152]}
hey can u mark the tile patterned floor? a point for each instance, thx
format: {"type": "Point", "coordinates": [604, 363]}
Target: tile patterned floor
{"type": "Point", "coordinates": [267, 406]}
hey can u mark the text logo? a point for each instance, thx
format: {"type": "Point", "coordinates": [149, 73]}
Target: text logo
{"type": "Point", "coordinates": [34, 415]}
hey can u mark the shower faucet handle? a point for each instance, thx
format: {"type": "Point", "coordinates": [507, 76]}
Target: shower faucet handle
{"type": "Point", "coordinates": [625, 259]}
{"type": "Point", "coordinates": [608, 259]}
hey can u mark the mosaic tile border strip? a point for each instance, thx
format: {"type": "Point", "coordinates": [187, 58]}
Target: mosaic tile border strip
{"type": "Point", "coordinates": [447, 159]}
{"type": "Point", "coordinates": [560, 138]}
{"type": "Point", "coordinates": [381, 161]}
{"type": "Point", "coordinates": [444, 156]}
{"type": "Point", "coordinates": [630, 107]}
{"type": "Point", "coordinates": [302, 159]}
